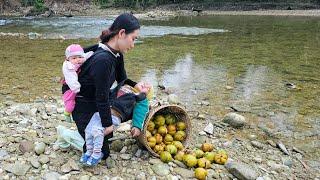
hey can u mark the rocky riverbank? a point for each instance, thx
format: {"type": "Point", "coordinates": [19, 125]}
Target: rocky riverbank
{"type": "Point", "coordinates": [28, 149]}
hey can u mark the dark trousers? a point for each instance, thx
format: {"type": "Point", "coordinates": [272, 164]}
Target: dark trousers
{"type": "Point", "coordinates": [82, 119]}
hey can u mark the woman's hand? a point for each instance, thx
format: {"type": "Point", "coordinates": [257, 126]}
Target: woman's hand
{"type": "Point", "coordinates": [135, 132]}
{"type": "Point", "coordinates": [108, 130]}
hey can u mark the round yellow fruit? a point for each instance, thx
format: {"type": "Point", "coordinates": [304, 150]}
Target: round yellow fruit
{"type": "Point", "coordinates": [220, 158]}
{"type": "Point", "coordinates": [152, 141]}
{"type": "Point", "coordinates": [181, 126]}
{"type": "Point", "coordinates": [210, 156]}
{"type": "Point", "coordinates": [190, 160]}
{"type": "Point", "coordinates": [199, 153]}
{"type": "Point", "coordinates": [165, 156]}
{"type": "Point", "coordinates": [151, 126]}
{"type": "Point", "coordinates": [158, 138]}
{"type": "Point", "coordinates": [178, 145]}
{"type": "Point", "coordinates": [170, 119]}
{"type": "Point", "coordinates": [207, 147]}
{"type": "Point", "coordinates": [171, 129]}
{"type": "Point", "coordinates": [171, 149]}
{"type": "Point", "coordinates": [179, 156]}
{"type": "Point", "coordinates": [158, 149]}
{"type": "Point", "coordinates": [168, 139]}
{"type": "Point", "coordinates": [162, 130]}
{"type": "Point", "coordinates": [179, 136]}
{"type": "Point", "coordinates": [204, 163]}
{"type": "Point", "coordinates": [200, 173]}
{"type": "Point", "coordinates": [159, 120]}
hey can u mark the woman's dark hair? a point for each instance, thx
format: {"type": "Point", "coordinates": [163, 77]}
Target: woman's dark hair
{"type": "Point", "coordinates": [124, 21]}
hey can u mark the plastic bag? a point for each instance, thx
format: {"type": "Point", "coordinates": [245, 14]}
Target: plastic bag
{"type": "Point", "coordinates": [68, 137]}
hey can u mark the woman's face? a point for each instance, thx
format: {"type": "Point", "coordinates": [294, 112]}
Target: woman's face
{"type": "Point", "coordinates": [126, 41]}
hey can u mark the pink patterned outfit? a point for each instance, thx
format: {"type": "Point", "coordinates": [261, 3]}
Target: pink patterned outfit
{"type": "Point", "coordinates": [71, 79]}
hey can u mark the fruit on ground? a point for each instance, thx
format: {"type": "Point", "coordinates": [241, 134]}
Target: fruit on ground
{"type": "Point", "coordinates": [207, 147]}
{"type": "Point", "coordinates": [200, 173]}
{"type": "Point", "coordinates": [179, 156]}
{"type": "Point", "coordinates": [171, 149]}
{"type": "Point", "coordinates": [165, 156]}
{"type": "Point", "coordinates": [210, 156]}
{"type": "Point", "coordinates": [204, 163]}
{"type": "Point", "coordinates": [220, 158]}
{"type": "Point", "coordinates": [190, 160]}
{"type": "Point", "coordinates": [178, 145]}
{"type": "Point", "coordinates": [199, 153]}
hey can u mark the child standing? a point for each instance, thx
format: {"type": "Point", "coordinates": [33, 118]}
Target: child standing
{"type": "Point", "coordinates": [75, 57]}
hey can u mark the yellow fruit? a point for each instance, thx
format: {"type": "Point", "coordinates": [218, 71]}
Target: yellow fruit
{"type": "Point", "coordinates": [150, 126]}
{"type": "Point", "coordinates": [158, 149]}
{"type": "Point", "coordinates": [200, 173]}
{"type": "Point", "coordinates": [178, 145]}
{"type": "Point", "coordinates": [179, 156]}
{"type": "Point", "coordinates": [171, 129]}
{"type": "Point", "coordinates": [170, 119]}
{"type": "Point", "coordinates": [220, 158]}
{"type": "Point", "coordinates": [179, 136]}
{"type": "Point", "coordinates": [168, 139]}
{"type": "Point", "coordinates": [171, 149]}
{"type": "Point", "coordinates": [181, 126]}
{"type": "Point", "coordinates": [199, 153]}
{"type": "Point", "coordinates": [210, 156]}
{"type": "Point", "coordinates": [162, 130]}
{"type": "Point", "coordinates": [204, 163]}
{"type": "Point", "coordinates": [158, 138]}
{"type": "Point", "coordinates": [207, 147]}
{"type": "Point", "coordinates": [190, 160]}
{"type": "Point", "coordinates": [148, 134]}
{"type": "Point", "coordinates": [151, 141]}
{"type": "Point", "coordinates": [159, 120]}
{"type": "Point", "coordinates": [165, 156]}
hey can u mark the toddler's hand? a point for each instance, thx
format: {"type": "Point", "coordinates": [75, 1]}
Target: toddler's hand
{"type": "Point", "coordinates": [135, 132]}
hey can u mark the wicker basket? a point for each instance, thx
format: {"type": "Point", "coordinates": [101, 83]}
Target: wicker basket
{"type": "Point", "coordinates": [180, 114]}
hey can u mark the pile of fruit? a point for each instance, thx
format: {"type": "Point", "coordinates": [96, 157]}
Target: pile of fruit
{"type": "Point", "coordinates": [165, 135]}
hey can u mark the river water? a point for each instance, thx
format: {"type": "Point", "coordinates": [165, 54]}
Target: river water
{"type": "Point", "coordinates": [265, 66]}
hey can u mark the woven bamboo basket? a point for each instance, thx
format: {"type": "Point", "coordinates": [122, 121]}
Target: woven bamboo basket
{"type": "Point", "coordinates": [177, 111]}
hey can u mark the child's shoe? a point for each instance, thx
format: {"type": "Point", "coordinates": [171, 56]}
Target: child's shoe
{"type": "Point", "coordinates": [93, 161]}
{"type": "Point", "coordinates": [84, 158]}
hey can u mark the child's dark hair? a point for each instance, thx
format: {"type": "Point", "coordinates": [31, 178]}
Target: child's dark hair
{"type": "Point", "coordinates": [125, 21]}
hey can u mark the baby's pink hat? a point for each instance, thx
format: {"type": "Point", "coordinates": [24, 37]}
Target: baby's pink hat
{"type": "Point", "coordinates": [74, 50]}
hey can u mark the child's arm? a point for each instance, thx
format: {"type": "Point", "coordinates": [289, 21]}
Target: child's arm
{"type": "Point", "coordinates": [71, 77]}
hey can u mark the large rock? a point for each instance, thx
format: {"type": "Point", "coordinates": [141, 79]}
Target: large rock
{"type": "Point", "coordinates": [235, 120]}
{"type": "Point", "coordinates": [241, 171]}
{"type": "Point", "coordinates": [70, 166]}
{"type": "Point", "coordinates": [185, 173]}
{"type": "Point", "coordinates": [161, 169]}
{"type": "Point", "coordinates": [17, 168]}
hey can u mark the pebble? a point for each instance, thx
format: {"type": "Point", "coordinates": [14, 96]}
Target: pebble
{"type": "Point", "coordinates": [40, 147]}
{"type": "Point", "coordinates": [209, 129]}
{"type": "Point", "coordinates": [257, 144]}
{"type": "Point", "coordinates": [125, 156]}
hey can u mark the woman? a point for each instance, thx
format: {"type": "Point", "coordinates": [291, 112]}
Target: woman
{"type": "Point", "coordinates": [99, 73]}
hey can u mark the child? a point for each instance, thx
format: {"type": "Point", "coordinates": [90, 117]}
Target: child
{"type": "Point", "coordinates": [75, 57]}
{"type": "Point", "coordinates": [94, 132]}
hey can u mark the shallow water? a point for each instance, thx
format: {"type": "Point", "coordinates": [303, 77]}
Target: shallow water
{"type": "Point", "coordinates": [257, 58]}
